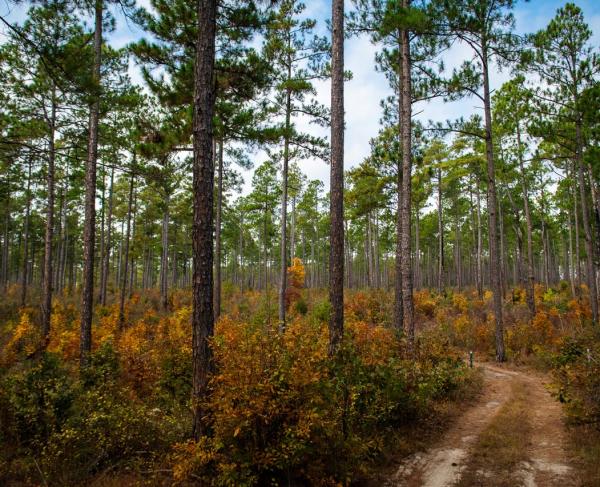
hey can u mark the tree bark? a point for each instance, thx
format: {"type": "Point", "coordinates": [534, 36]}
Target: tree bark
{"type": "Point", "coordinates": [284, 200]}
{"type": "Point", "coordinates": [202, 232]}
{"type": "Point", "coordinates": [571, 263]}
{"type": "Point", "coordinates": [46, 304]}
{"type": "Point", "coordinates": [418, 275]}
{"type": "Point", "coordinates": [89, 229]}
{"type": "Point", "coordinates": [398, 301]}
{"type": "Point", "coordinates": [6, 238]}
{"type": "Point", "coordinates": [502, 252]}
{"type": "Point", "coordinates": [336, 193]}
{"type": "Point", "coordinates": [164, 257]}
{"type": "Point", "coordinates": [529, 289]}
{"type": "Point", "coordinates": [495, 269]}
{"type": "Point", "coordinates": [25, 275]}
{"type": "Point", "coordinates": [589, 248]}
{"type": "Point", "coordinates": [105, 254]}
{"type": "Point", "coordinates": [376, 252]}
{"type": "Point", "coordinates": [441, 265]}
{"type": "Point", "coordinates": [405, 124]}
{"type": "Point", "coordinates": [218, 215]}
{"type": "Point", "coordinates": [479, 263]}
{"type": "Point", "coordinates": [126, 263]}
{"type": "Point", "coordinates": [596, 213]}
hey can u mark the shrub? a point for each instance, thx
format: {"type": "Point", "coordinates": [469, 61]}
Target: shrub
{"type": "Point", "coordinates": [577, 373]}
{"type": "Point", "coordinates": [37, 402]}
{"type": "Point", "coordinates": [301, 307]}
{"type": "Point", "coordinates": [107, 428]}
{"type": "Point", "coordinates": [281, 410]}
{"type": "Point", "coordinates": [321, 311]}
{"type": "Point", "coordinates": [103, 367]}
{"type": "Point", "coordinates": [175, 380]}
{"type": "Point", "coordinates": [23, 342]}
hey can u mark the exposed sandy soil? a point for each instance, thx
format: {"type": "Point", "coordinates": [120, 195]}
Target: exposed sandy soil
{"type": "Point", "coordinates": [545, 461]}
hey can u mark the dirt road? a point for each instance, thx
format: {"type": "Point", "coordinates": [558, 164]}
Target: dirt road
{"type": "Point", "coordinates": [513, 436]}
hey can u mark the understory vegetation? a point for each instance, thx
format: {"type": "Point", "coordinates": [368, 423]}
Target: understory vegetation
{"type": "Point", "coordinates": [280, 410]}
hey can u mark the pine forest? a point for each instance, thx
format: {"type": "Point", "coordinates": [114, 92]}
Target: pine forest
{"type": "Point", "coordinates": [275, 243]}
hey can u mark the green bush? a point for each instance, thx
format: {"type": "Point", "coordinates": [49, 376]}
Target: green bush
{"type": "Point", "coordinates": [107, 429]}
{"type": "Point", "coordinates": [175, 381]}
{"type": "Point", "coordinates": [321, 311]}
{"type": "Point", "coordinates": [577, 373]}
{"type": "Point", "coordinates": [301, 307]}
{"type": "Point", "coordinates": [37, 402]}
{"type": "Point", "coordinates": [103, 367]}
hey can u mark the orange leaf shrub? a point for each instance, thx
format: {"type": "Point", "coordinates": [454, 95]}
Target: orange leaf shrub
{"type": "Point", "coordinates": [370, 306]}
{"type": "Point", "coordinates": [425, 304]}
{"type": "Point", "coordinates": [280, 409]}
{"type": "Point", "coordinates": [24, 340]}
{"type": "Point", "coordinates": [295, 274]}
{"type": "Point", "coordinates": [459, 301]}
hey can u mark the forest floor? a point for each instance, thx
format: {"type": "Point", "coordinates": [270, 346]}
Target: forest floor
{"type": "Point", "coordinates": [512, 435]}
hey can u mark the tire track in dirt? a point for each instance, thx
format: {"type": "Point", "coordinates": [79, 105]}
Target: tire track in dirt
{"type": "Point", "coordinates": [545, 463]}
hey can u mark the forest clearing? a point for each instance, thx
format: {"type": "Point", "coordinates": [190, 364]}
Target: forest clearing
{"type": "Point", "coordinates": [275, 243]}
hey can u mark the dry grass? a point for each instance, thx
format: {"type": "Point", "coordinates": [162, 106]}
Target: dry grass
{"type": "Point", "coordinates": [502, 445]}
{"type": "Point", "coordinates": [420, 436]}
{"type": "Point", "coordinates": [585, 444]}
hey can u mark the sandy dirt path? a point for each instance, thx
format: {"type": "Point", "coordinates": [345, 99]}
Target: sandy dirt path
{"type": "Point", "coordinates": [545, 463]}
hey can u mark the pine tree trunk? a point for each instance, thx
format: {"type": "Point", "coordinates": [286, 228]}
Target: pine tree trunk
{"type": "Point", "coordinates": [89, 227]}
{"type": "Point", "coordinates": [133, 275]}
{"type": "Point", "coordinates": [218, 216]}
{"type": "Point", "coordinates": [46, 304]}
{"type": "Point", "coordinates": [441, 266]}
{"type": "Point", "coordinates": [369, 251]}
{"type": "Point", "coordinates": [589, 249]}
{"type": "Point", "coordinates": [284, 198]}
{"type": "Point", "coordinates": [458, 256]}
{"type": "Point", "coordinates": [502, 252]}
{"type": "Point", "coordinates": [596, 213]}
{"type": "Point", "coordinates": [571, 263]}
{"type": "Point", "coordinates": [479, 263]}
{"type": "Point", "coordinates": [336, 194]}
{"type": "Point", "coordinates": [376, 256]}
{"type": "Point", "coordinates": [62, 263]}
{"type": "Point", "coordinates": [293, 230]}
{"type": "Point", "coordinates": [418, 276]}
{"type": "Point", "coordinates": [25, 275]}
{"type": "Point", "coordinates": [545, 257]}
{"type": "Point", "coordinates": [529, 289]}
{"type": "Point", "coordinates": [241, 254]}
{"type": "Point", "coordinates": [107, 247]}
{"type": "Point", "coordinates": [102, 231]}
{"type": "Point", "coordinates": [348, 250]}
{"type": "Point", "coordinates": [398, 298]}
{"type": "Point", "coordinates": [164, 257]}
{"type": "Point", "coordinates": [202, 232]}
{"type": "Point", "coordinates": [406, 139]}
{"type": "Point", "coordinates": [6, 238]}
{"type": "Point", "coordinates": [126, 257]}
{"type": "Point", "coordinates": [495, 268]}
{"type": "Point", "coordinates": [58, 232]}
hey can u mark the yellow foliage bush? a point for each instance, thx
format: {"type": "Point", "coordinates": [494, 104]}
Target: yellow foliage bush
{"type": "Point", "coordinates": [425, 304]}
{"type": "Point", "coordinates": [296, 273]}
{"type": "Point", "coordinates": [459, 302]}
{"type": "Point", "coordinates": [369, 306]}
{"type": "Point", "coordinates": [24, 339]}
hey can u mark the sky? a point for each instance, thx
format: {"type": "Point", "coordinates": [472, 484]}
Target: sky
{"type": "Point", "coordinates": [367, 87]}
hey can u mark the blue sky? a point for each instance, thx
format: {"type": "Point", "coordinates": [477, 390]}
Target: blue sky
{"type": "Point", "coordinates": [364, 92]}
